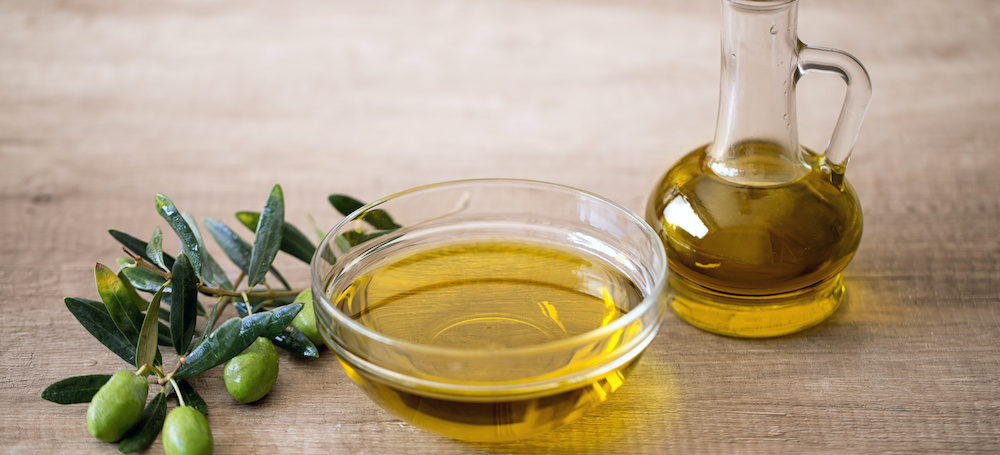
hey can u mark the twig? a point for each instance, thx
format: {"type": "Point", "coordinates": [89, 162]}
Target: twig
{"type": "Point", "coordinates": [217, 292]}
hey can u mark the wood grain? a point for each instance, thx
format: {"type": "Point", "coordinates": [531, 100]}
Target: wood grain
{"type": "Point", "coordinates": [105, 103]}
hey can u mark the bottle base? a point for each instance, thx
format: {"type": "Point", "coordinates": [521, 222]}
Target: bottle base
{"type": "Point", "coordinates": [750, 316]}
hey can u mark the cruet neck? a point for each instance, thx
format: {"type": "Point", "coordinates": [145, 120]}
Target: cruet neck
{"type": "Point", "coordinates": [756, 137]}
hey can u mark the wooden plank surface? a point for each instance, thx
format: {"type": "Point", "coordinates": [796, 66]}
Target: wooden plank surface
{"type": "Point", "coordinates": [105, 103]}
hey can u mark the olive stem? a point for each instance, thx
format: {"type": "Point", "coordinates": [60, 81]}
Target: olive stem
{"type": "Point", "coordinates": [269, 294]}
{"type": "Point", "coordinates": [177, 389]}
{"type": "Point", "coordinates": [224, 300]}
{"type": "Point", "coordinates": [247, 301]}
{"type": "Point", "coordinates": [159, 373]}
{"type": "Point", "coordinates": [169, 377]}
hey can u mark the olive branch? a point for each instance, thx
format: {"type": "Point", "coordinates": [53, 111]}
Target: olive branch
{"type": "Point", "coordinates": [135, 328]}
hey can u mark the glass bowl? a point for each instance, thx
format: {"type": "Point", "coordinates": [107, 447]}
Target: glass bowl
{"type": "Point", "coordinates": [489, 310]}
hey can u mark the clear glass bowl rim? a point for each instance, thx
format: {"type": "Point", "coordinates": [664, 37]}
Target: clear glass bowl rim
{"type": "Point", "coordinates": [648, 304]}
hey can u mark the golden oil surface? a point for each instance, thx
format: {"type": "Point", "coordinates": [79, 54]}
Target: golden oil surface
{"type": "Point", "coordinates": [739, 249]}
{"type": "Point", "coordinates": [483, 296]}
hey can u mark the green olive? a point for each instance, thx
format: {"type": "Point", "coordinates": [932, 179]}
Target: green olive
{"type": "Point", "coordinates": [251, 374]}
{"type": "Point", "coordinates": [305, 321]}
{"type": "Point", "coordinates": [186, 432]}
{"type": "Point", "coordinates": [117, 406]}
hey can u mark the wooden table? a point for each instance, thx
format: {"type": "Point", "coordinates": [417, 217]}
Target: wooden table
{"type": "Point", "coordinates": [104, 104]}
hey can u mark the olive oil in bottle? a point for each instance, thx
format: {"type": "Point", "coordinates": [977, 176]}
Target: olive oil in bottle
{"type": "Point", "coordinates": [755, 261]}
{"type": "Point", "coordinates": [488, 296]}
{"type": "Point", "coordinates": [758, 228]}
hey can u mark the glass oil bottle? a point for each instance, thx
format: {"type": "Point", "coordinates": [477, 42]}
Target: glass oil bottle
{"type": "Point", "coordinates": [758, 228]}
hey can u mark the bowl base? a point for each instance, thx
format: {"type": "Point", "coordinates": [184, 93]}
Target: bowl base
{"type": "Point", "coordinates": [490, 420]}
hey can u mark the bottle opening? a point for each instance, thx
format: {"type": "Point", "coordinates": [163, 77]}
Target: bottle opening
{"type": "Point", "coordinates": [760, 4]}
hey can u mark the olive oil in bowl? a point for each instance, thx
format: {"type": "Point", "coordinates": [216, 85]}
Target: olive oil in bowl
{"type": "Point", "coordinates": [493, 309]}
{"type": "Point", "coordinates": [488, 296]}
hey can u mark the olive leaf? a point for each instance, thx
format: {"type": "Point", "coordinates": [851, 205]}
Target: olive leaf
{"type": "Point", "coordinates": [293, 241]}
{"type": "Point", "coordinates": [344, 204]}
{"type": "Point", "coordinates": [183, 304]}
{"type": "Point", "coordinates": [144, 433]}
{"type": "Point", "coordinates": [120, 304]}
{"type": "Point", "coordinates": [189, 219]}
{"type": "Point", "coordinates": [211, 352]}
{"type": "Point", "coordinates": [235, 335]}
{"type": "Point", "coordinates": [342, 244]}
{"type": "Point", "coordinates": [139, 247]}
{"type": "Point", "coordinates": [209, 323]}
{"type": "Point", "coordinates": [267, 302]}
{"type": "Point", "coordinates": [235, 248]}
{"type": "Point", "coordinates": [191, 397]}
{"type": "Point", "coordinates": [357, 237]}
{"type": "Point", "coordinates": [265, 324]}
{"type": "Point", "coordinates": [211, 272]}
{"type": "Point", "coordinates": [281, 317]}
{"type": "Point", "coordinates": [215, 275]}
{"type": "Point", "coordinates": [163, 332]}
{"type": "Point", "coordinates": [189, 242]}
{"type": "Point", "coordinates": [140, 303]}
{"type": "Point", "coordinates": [251, 327]}
{"type": "Point", "coordinates": [77, 389]}
{"type": "Point", "coordinates": [168, 299]}
{"type": "Point", "coordinates": [378, 218]}
{"type": "Point", "coordinates": [143, 279]}
{"type": "Point", "coordinates": [145, 350]}
{"type": "Point", "coordinates": [288, 337]}
{"type": "Point", "coordinates": [154, 249]}
{"type": "Point", "coordinates": [95, 304]}
{"type": "Point", "coordinates": [267, 238]}
{"type": "Point", "coordinates": [294, 341]}
{"type": "Point", "coordinates": [94, 317]}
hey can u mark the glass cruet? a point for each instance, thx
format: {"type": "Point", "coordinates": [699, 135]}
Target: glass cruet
{"type": "Point", "coordinates": [758, 228]}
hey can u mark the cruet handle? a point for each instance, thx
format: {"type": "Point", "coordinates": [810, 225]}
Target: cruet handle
{"type": "Point", "coordinates": [856, 99]}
